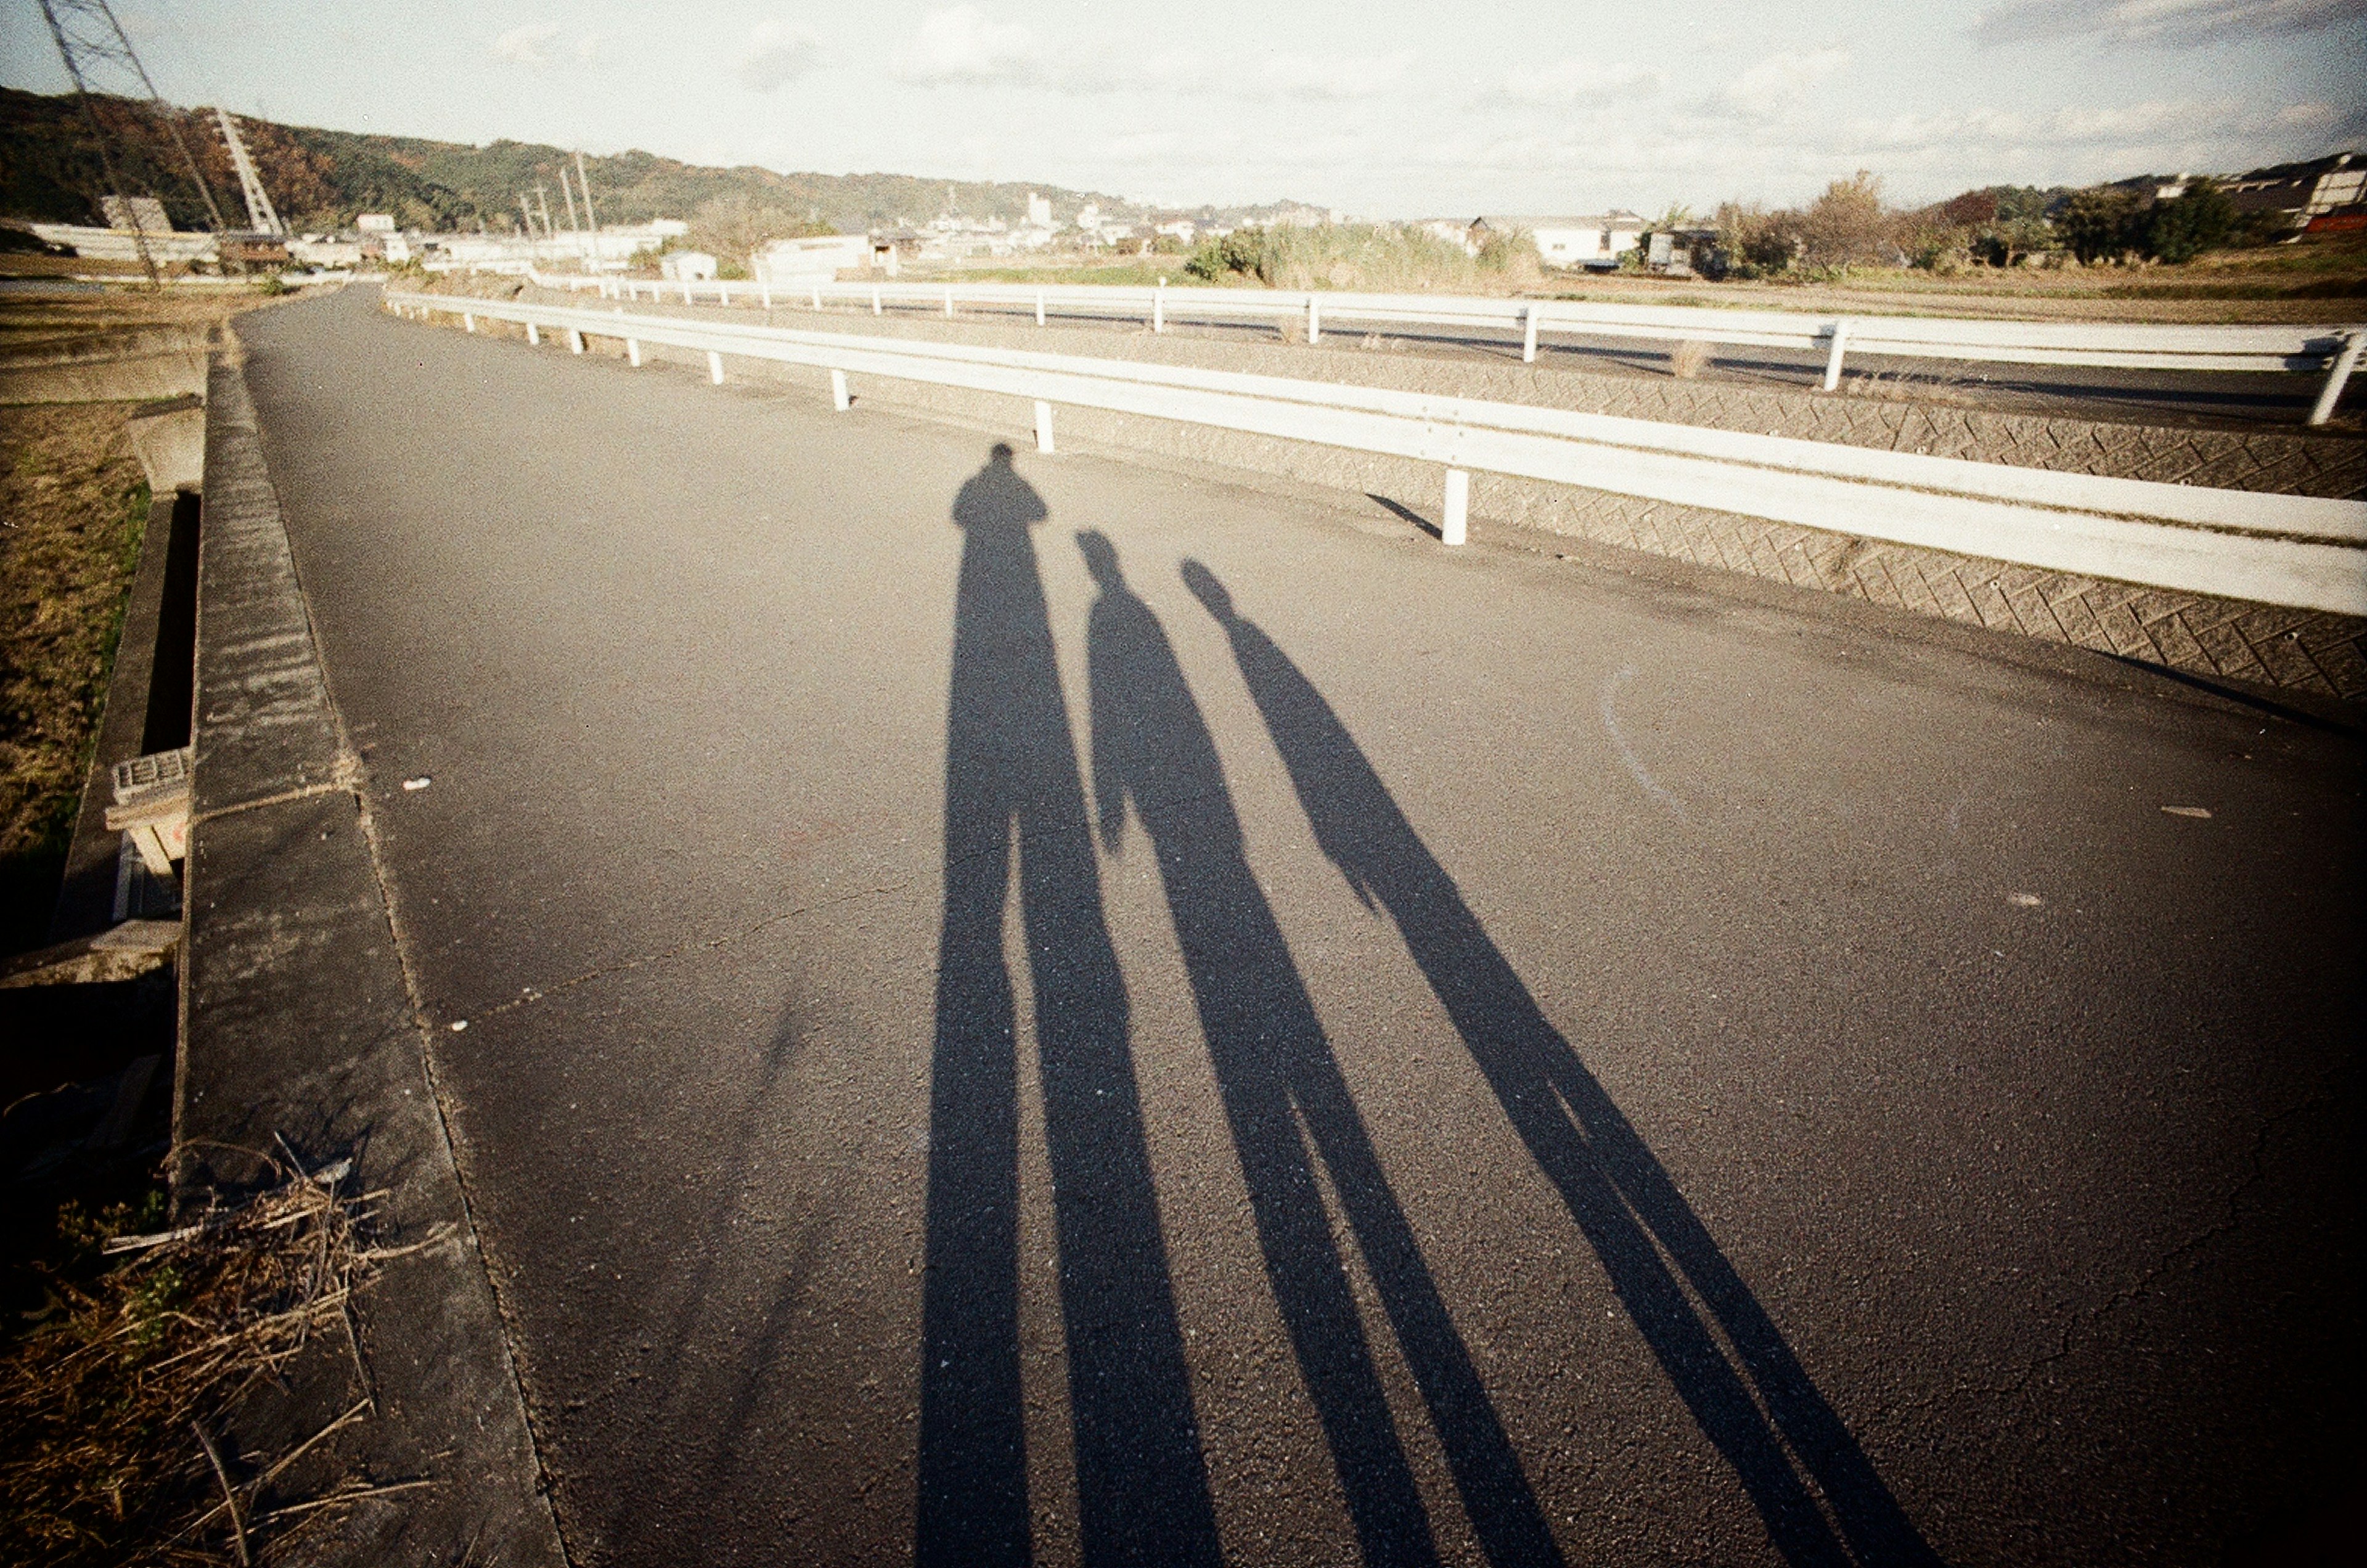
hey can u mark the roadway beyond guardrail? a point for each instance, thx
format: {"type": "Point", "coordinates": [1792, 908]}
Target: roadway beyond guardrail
{"type": "Point", "coordinates": [2300, 551]}
{"type": "Point", "coordinates": [2095, 345]}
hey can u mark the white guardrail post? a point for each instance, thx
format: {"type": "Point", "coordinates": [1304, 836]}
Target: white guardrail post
{"type": "Point", "coordinates": [1043, 426]}
{"type": "Point", "coordinates": [574, 340]}
{"type": "Point", "coordinates": [533, 335]}
{"type": "Point", "coordinates": [1039, 305]}
{"type": "Point", "coordinates": [1529, 337]}
{"type": "Point", "coordinates": [875, 300]}
{"type": "Point", "coordinates": [1833, 360]}
{"type": "Point", "coordinates": [2303, 552]}
{"type": "Point", "coordinates": [1159, 307]}
{"type": "Point", "coordinates": [1314, 321]}
{"type": "Point", "coordinates": [840, 398]}
{"type": "Point", "coordinates": [2344, 364]}
{"type": "Point", "coordinates": [950, 304]}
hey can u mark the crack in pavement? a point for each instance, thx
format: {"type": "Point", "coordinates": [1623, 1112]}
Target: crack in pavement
{"type": "Point", "coordinates": [2083, 1323]}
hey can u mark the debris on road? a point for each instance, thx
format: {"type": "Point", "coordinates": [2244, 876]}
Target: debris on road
{"type": "Point", "coordinates": [415, 786]}
{"type": "Point", "coordinates": [2202, 812]}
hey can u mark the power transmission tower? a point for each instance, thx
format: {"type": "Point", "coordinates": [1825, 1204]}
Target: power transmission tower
{"type": "Point", "coordinates": [88, 38]}
{"type": "Point", "coordinates": [260, 213]}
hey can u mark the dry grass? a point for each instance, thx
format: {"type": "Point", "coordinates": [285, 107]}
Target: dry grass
{"type": "Point", "coordinates": [116, 1399]}
{"type": "Point", "coordinates": [2322, 279]}
{"type": "Point", "coordinates": [72, 504]}
{"type": "Point", "coordinates": [29, 317]}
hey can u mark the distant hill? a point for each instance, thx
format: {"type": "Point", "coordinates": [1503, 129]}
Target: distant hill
{"type": "Point", "coordinates": [50, 169]}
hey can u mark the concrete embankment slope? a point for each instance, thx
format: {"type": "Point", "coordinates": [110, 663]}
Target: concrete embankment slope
{"type": "Point", "coordinates": [299, 1036]}
{"type": "Point", "coordinates": [2203, 634]}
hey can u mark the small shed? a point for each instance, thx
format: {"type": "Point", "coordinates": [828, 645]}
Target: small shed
{"type": "Point", "coordinates": [817, 259]}
{"type": "Point", "coordinates": [890, 246]}
{"type": "Point", "coordinates": [1594, 240]}
{"type": "Point", "coordinates": [688, 266]}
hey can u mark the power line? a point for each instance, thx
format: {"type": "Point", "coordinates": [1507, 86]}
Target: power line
{"type": "Point", "coordinates": [89, 36]}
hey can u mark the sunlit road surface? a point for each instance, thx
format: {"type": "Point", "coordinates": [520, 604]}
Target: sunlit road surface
{"type": "Point", "coordinates": [1050, 1011]}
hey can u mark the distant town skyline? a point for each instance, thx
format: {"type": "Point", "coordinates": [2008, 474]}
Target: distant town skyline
{"type": "Point", "coordinates": [1387, 111]}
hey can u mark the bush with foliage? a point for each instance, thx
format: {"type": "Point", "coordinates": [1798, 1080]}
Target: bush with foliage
{"type": "Point", "coordinates": [2201, 219]}
{"type": "Point", "coordinates": [1362, 255]}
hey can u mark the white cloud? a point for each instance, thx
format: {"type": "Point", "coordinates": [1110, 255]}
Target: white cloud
{"type": "Point", "coordinates": [528, 44]}
{"type": "Point", "coordinates": [1786, 78]}
{"type": "Point", "coordinates": [1335, 75]}
{"type": "Point", "coordinates": [964, 44]}
{"type": "Point", "coordinates": [2172, 22]}
{"type": "Point", "coordinates": [2309, 113]}
{"type": "Point", "coordinates": [778, 54]}
{"type": "Point", "coordinates": [1576, 81]}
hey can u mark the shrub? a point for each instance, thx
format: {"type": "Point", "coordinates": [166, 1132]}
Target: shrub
{"type": "Point", "coordinates": [2101, 224]}
{"type": "Point", "coordinates": [1847, 226]}
{"type": "Point", "coordinates": [1759, 243]}
{"type": "Point", "coordinates": [1361, 255]}
{"type": "Point", "coordinates": [2183, 228]}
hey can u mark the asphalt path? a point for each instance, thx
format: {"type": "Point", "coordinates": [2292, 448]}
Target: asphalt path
{"type": "Point", "coordinates": [1053, 1011]}
{"type": "Point", "coordinates": [2182, 398]}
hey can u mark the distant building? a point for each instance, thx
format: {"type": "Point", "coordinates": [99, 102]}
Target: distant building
{"type": "Point", "coordinates": [375, 223]}
{"type": "Point", "coordinates": [1039, 210]}
{"type": "Point", "coordinates": [889, 247]}
{"type": "Point", "coordinates": [1593, 240]}
{"type": "Point", "coordinates": [143, 213]}
{"type": "Point", "coordinates": [2322, 194]}
{"type": "Point", "coordinates": [816, 258]}
{"type": "Point", "coordinates": [688, 266]}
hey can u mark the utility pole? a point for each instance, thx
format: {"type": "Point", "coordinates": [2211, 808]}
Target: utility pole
{"type": "Point", "coordinates": [527, 212]}
{"type": "Point", "coordinates": [584, 184]}
{"type": "Point", "coordinates": [568, 197]}
{"type": "Point", "coordinates": [87, 36]}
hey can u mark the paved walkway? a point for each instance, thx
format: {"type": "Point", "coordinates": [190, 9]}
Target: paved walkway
{"type": "Point", "coordinates": [1044, 1010]}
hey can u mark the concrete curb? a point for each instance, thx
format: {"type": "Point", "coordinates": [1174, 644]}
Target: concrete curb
{"type": "Point", "coordinates": [298, 1025]}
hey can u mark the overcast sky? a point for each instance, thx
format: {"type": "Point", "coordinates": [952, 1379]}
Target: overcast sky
{"type": "Point", "coordinates": [1386, 109]}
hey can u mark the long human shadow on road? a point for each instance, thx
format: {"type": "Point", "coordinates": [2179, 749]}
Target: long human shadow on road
{"type": "Point", "coordinates": [1273, 1069]}
{"type": "Point", "coordinates": [1754, 1404]}
{"type": "Point", "coordinates": [1012, 785]}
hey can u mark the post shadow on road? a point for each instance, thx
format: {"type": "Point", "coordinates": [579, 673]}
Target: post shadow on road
{"type": "Point", "coordinates": [1756, 1404]}
{"type": "Point", "coordinates": [1275, 1070]}
{"type": "Point", "coordinates": [1013, 787]}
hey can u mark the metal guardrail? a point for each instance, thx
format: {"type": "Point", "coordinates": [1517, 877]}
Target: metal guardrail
{"type": "Point", "coordinates": [2302, 551]}
{"type": "Point", "coordinates": [2094, 345]}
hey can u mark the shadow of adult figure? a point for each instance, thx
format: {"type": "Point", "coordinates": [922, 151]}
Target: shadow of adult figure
{"type": "Point", "coordinates": [1274, 1069]}
{"type": "Point", "coordinates": [1013, 787]}
{"type": "Point", "coordinates": [1756, 1405]}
